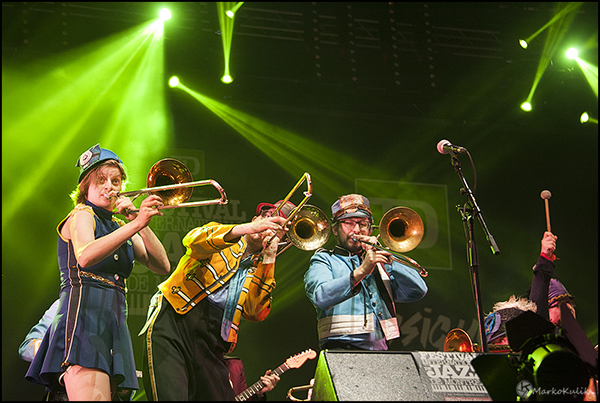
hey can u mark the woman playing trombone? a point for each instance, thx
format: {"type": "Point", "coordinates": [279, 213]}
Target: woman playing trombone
{"type": "Point", "coordinates": [87, 348]}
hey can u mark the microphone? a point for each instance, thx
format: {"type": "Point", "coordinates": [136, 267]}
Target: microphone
{"type": "Point", "coordinates": [445, 147]}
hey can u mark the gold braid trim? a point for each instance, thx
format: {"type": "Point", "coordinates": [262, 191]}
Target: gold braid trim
{"type": "Point", "coordinates": [102, 279]}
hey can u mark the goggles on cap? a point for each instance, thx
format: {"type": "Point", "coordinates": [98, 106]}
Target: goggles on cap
{"type": "Point", "coordinates": [355, 208]}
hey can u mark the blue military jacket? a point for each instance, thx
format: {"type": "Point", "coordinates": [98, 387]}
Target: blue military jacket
{"type": "Point", "coordinates": [358, 316]}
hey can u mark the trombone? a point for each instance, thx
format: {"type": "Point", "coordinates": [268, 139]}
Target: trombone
{"type": "Point", "coordinates": [401, 229]}
{"type": "Point", "coordinates": [309, 228]}
{"type": "Point", "coordinates": [299, 389]}
{"type": "Point", "coordinates": [171, 180]}
{"type": "Point", "coordinates": [459, 340]}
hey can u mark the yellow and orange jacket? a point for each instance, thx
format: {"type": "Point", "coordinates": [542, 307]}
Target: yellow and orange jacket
{"type": "Point", "coordinates": [208, 264]}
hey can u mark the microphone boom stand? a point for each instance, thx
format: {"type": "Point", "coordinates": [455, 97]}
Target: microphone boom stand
{"type": "Point", "coordinates": [467, 215]}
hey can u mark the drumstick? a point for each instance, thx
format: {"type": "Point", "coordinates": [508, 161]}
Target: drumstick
{"type": "Point", "coordinates": [546, 195]}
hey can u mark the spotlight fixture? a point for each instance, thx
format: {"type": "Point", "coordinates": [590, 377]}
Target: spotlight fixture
{"type": "Point", "coordinates": [164, 14]}
{"type": "Point", "coordinates": [227, 79]}
{"type": "Point", "coordinates": [231, 12]}
{"type": "Point", "coordinates": [523, 43]}
{"type": "Point", "coordinates": [572, 53]}
{"type": "Point", "coordinates": [173, 81]}
{"type": "Point", "coordinates": [585, 118]}
{"type": "Point", "coordinates": [526, 106]}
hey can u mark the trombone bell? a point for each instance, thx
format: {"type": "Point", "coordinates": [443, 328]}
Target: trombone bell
{"type": "Point", "coordinates": [170, 180]}
{"type": "Point", "coordinates": [401, 229]}
{"type": "Point", "coordinates": [310, 228]}
{"type": "Point", "coordinates": [169, 171]}
{"type": "Point", "coordinates": [458, 340]}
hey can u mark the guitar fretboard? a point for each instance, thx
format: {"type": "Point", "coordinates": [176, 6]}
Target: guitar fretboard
{"type": "Point", "coordinates": [256, 387]}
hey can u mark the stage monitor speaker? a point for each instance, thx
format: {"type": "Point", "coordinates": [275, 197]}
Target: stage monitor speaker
{"type": "Point", "coordinates": [343, 375]}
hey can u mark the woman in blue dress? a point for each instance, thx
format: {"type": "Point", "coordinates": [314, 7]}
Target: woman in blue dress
{"type": "Point", "coordinates": [87, 348]}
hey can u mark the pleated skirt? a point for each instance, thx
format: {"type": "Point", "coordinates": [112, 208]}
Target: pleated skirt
{"type": "Point", "coordinates": [90, 330]}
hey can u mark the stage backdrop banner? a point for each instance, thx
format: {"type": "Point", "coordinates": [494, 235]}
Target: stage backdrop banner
{"type": "Point", "coordinates": [430, 201]}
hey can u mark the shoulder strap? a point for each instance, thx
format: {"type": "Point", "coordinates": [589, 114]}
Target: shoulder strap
{"type": "Point", "coordinates": [385, 294]}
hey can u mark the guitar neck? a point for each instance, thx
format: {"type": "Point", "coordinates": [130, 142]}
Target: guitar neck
{"type": "Point", "coordinates": [256, 387]}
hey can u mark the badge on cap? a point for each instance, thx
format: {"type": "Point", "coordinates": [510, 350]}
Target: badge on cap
{"type": "Point", "coordinates": [89, 157]}
{"type": "Point", "coordinates": [93, 156]}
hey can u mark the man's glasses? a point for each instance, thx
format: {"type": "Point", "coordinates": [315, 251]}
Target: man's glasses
{"type": "Point", "coordinates": [351, 224]}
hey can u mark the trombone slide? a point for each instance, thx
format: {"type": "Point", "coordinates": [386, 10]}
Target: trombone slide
{"type": "Point", "coordinates": [398, 257]}
{"type": "Point", "coordinates": [221, 200]}
{"type": "Point", "coordinates": [307, 195]}
{"type": "Point", "coordinates": [179, 175]}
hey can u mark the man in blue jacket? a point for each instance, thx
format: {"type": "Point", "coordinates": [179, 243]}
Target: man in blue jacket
{"type": "Point", "coordinates": [354, 286]}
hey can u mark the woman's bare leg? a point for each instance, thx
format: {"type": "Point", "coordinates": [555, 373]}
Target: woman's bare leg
{"type": "Point", "coordinates": [87, 384]}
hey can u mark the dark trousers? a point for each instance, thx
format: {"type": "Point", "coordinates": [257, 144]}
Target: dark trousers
{"type": "Point", "coordinates": [183, 355]}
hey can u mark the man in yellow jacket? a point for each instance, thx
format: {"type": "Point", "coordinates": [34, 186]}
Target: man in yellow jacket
{"type": "Point", "coordinates": [228, 271]}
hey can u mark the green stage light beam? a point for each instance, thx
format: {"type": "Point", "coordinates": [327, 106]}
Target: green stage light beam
{"type": "Point", "coordinates": [109, 92]}
{"type": "Point", "coordinates": [226, 23]}
{"type": "Point", "coordinates": [231, 13]}
{"type": "Point", "coordinates": [590, 72]}
{"type": "Point", "coordinates": [294, 153]}
{"type": "Point", "coordinates": [558, 28]}
{"type": "Point", "coordinates": [568, 8]}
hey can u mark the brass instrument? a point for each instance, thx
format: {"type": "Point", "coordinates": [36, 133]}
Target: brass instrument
{"type": "Point", "coordinates": [400, 230]}
{"type": "Point", "coordinates": [309, 228]}
{"type": "Point", "coordinates": [459, 340]}
{"type": "Point", "coordinates": [298, 389]}
{"type": "Point", "coordinates": [171, 180]}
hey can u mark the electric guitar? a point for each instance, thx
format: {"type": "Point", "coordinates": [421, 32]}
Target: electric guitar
{"type": "Point", "coordinates": [293, 362]}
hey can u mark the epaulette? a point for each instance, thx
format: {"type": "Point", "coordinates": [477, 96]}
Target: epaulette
{"type": "Point", "coordinates": [83, 207]}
